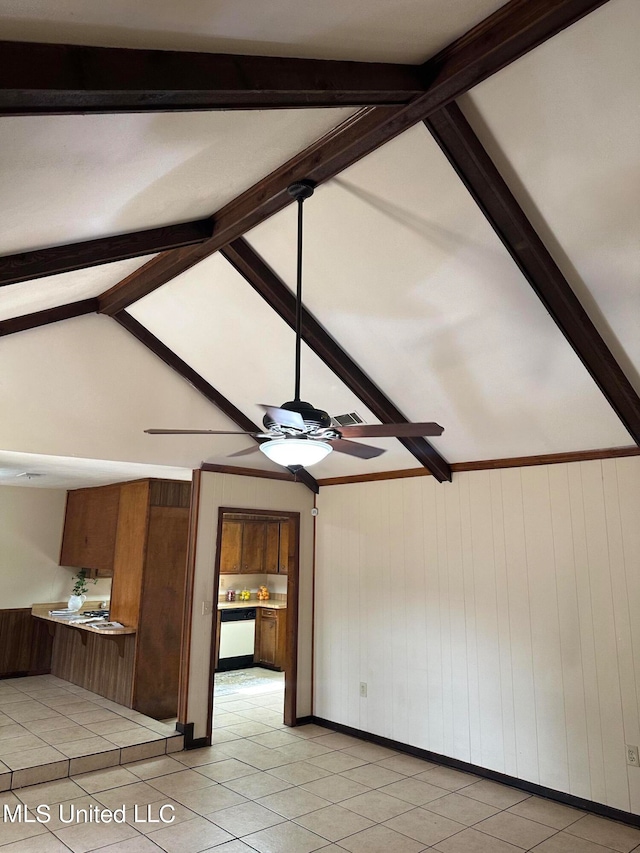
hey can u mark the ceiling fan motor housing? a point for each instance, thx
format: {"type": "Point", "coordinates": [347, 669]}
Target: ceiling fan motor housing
{"type": "Point", "coordinates": [314, 418]}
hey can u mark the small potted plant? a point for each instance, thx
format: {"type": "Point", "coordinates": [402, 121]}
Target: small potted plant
{"type": "Point", "coordinates": [80, 588]}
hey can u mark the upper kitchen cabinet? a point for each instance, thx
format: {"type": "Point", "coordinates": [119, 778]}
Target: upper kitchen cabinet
{"type": "Point", "coordinates": [231, 547]}
{"type": "Point", "coordinates": [277, 548]}
{"type": "Point", "coordinates": [242, 546]}
{"type": "Point", "coordinates": [253, 547]}
{"type": "Point", "coordinates": [90, 528]}
{"type": "Point", "coordinates": [252, 544]}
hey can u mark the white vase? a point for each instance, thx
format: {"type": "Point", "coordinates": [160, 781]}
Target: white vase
{"type": "Point", "coordinates": [76, 601]}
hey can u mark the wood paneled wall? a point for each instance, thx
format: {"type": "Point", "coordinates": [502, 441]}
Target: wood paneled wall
{"type": "Point", "coordinates": [25, 644]}
{"type": "Point", "coordinates": [96, 665]}
{"type": "Point", "coordinates": [494, 619]}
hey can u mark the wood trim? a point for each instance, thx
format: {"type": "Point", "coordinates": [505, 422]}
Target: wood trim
{"type": "Point", "coordinates": [313, 609]}
{"type": "Point", "coordinates": [187, 619]}
{"type": "Point", "coordinates": [491, 465]}
{"type": "Point", "coordinates": [293, 592]}
{"type": "Point", "coordinates": [247, 472]}
{"type": "Point", "coordinates": [200, 384]}
{"type": "Point", "coordinates": [103, 250]}
{"type": "Point", "coordinates": [485, 772]}
{"type": "Point", "coordinates": [292, 477]}
{"type": "Point", "coordinates": [54, 79]}
{"type": "Point", "coordinates": [274, 291]}
{"type": "Point", "coordinates": [503, 37]}
{"type": "Point", "coordinates": [476, 170]}
{"type": "Point", "coordinates": [49, 315]}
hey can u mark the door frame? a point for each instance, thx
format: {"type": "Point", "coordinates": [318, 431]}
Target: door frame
{"type": "Point", "coordinates": [291, 638]}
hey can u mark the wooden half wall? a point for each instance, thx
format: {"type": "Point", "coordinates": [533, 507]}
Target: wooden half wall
{"type": "Point", "coordinates": [25, 644]}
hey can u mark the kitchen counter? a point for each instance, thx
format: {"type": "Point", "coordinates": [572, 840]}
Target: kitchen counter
{"type": "Point", "coordinates": [271, 604]}
{"type": "Point", "coordinates": [41, 611]}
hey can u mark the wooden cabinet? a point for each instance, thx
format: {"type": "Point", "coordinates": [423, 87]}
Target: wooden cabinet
{"type": "Point", "coordinates": [283, 548]}
{"type": "Point", "coordinates": [231, 547]}
{"type": "Point", "coordinates": [277, 550]}
{"type": "Point", "coordinates": [253, 547]}
{"type": "Point", "coordinates": [90, 529]}
{"type": "Point", "coordinates": [145, 551]}
{"type": "Point", "coordinates": [271, 627]}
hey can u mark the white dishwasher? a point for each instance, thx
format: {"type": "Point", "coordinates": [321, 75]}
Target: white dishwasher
{"type": "Point", "coordinates": [237, 638]}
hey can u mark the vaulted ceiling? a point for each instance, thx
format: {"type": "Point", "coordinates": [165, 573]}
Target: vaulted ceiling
{"type": "Point", "coordinates": [479, 269]}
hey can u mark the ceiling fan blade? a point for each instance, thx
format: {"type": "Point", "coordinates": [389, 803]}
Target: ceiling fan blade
{"type": "Point", "coordinates": [284, 417]}
{"type": "Point", "coordinates": [196, 432]}
{"type": "Point", "coordinates": [391, 430]}
{"type": "Point", "coordinates": [352, 448]}
{"type": "Point", "coordinates": [245, 452]}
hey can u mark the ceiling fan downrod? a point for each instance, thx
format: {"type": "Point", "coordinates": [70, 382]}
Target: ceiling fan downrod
{"type": "Point", "coordinates": [300, 191]}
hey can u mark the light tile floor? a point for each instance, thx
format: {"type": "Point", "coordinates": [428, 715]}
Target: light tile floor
{"type": "Point", "coordinates": [277, 790]}
{"type": "Point", "coordinates": [50, 728]}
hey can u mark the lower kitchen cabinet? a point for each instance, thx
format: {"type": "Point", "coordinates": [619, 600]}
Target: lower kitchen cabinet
{"type": "Point", "coordinates": [271, 631]}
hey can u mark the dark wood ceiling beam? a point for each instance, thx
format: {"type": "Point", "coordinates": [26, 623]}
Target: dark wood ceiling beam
{"type": "Point", "coordinates": [474, 166]}
{"type": "Point", "coordinates": [503, 37]}
{"type": "Point", "coordinates": [207, 390]}
{"type": "Point", "coordinates": [275, 292]}
{"type": "Point", "coordinates": [39, 263]}
{"type": "Point", "coordinates": [46, 79]}
{"type": "Point", "coordinates": [49, 315]}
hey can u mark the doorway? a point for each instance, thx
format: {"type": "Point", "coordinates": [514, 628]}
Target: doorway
{"type": "Point", "coordinates": [255, 641]}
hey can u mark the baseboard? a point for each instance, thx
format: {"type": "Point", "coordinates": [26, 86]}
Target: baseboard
{"type": "Point", "coordinates": [239, 662]}
{"type": "Point", "coordinates": [191, 742]}
{"type": "Point", "coordinates": [494, 775]}
{"type": "Point", "coordinates": [303, 721]}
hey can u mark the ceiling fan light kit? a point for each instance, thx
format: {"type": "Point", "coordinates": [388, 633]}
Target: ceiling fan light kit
{"type": "Point", "coordinates": [292, 452]}
{"type": "Point", "coordinates": [296, 433]}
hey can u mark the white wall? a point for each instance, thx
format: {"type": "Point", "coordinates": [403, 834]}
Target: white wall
{"type": "Point", "coordinates": [274, 583]}
{"type": "Point", "coordinates": [31, 522]}
{"type": "Point", "coordinates": [494, 619]}
{"type": "Point", "coordinates": [247, 493]}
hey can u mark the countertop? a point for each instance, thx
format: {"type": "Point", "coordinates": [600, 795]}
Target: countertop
{"type": "Point", "coordinates": [271, 604]}
{"type": "Point", "coordinates": [41, 611]}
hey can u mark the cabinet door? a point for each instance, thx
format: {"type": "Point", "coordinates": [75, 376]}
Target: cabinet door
{"type": "Point", "coordinates": [253, 547]}
{"type": "Point", "coordinates": [90, 526]}
{"type": "Point", "coordinates": [272, 551]}
{"type": "Point", "coordinates": [284, 548]}
{"type": "Point", "coordinates": [267, 630]}
{"type": "Point", "coordinates": [231, 547]}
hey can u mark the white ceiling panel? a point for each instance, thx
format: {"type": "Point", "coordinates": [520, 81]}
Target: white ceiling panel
{"type": "Point", "coordinates": [368, 30]}
{"type": "Point", "coordinates": [66, 472]}
{"type": "Point", "coordinates": [26, 297]}
{"type": "Point", "coordinates": [71, 178]}
{"type": "Point", "coordinates": [565, 119]}
{"type": "Point", "coordinates": [403, 269]}
{"type": "Point", "coordinates": [223, 329]}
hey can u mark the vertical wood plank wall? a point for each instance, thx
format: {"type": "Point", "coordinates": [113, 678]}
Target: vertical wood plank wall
{"type": "Point", "coordinates": [495, 619]}
{"type": "Point", "coordinates": [247, 493]}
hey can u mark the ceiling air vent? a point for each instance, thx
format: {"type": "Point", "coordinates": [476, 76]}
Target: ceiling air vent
{"type": "Point", "coordinates": [30, 475]}
{"type": "Point", "coordinates": [349, 419]}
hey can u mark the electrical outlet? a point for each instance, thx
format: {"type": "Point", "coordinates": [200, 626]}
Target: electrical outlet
{"type": "Point", "coordinates": [207, 607]}
{"type": "Point", "coordinates": [363, 689]}
{"type": "Point", "coordinates": [633, 759]}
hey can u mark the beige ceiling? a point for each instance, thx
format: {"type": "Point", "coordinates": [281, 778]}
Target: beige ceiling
{"type": "Point", "coordinates": [367, 30]}
{"type": "Point", "coordinates": [70, 178]}
{"type": "Point", "coordinates": [400, 265]}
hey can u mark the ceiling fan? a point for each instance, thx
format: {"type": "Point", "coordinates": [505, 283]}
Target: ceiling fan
{"type": "Point", "coordinates": [297, 434]}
